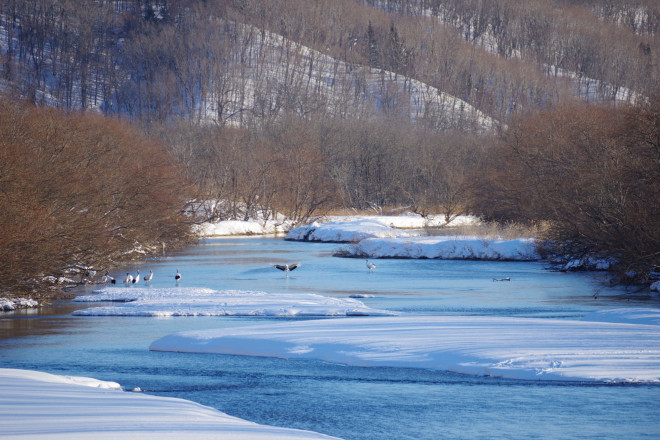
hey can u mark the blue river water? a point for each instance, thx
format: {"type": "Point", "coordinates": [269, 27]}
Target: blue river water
{"type": "Point", "coordinates": [347, 402]}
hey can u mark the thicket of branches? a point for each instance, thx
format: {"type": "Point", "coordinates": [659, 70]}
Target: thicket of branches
{"type": "Point", "coordinates": [80, 193]}
{"type": "Point", "coordinates": [305, 168]}
{"type": "Point", "coordinates": [592, 171]}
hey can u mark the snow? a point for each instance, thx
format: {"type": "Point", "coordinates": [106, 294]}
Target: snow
{"type": "Point", "coordinates": [342, 231]}
{"type": "Point", "coordinates": [10, 304]}
{"type": "Point", "coordinates": [239, 227]}
{"type": "Point", "coordinates": [36, 405]}
{"type": "Point", "coordinates": [346, 89]}
{"type": "Point", "coordinates": [445, 247]}
{"type": "Point", "coordinates": [331, 228]}
{"type": "Point", "coordinates": [354, 228]}
{"type": "Point", "coordinates": [516, 348]}
{"type": "Point", "coordinates": [193, 301]}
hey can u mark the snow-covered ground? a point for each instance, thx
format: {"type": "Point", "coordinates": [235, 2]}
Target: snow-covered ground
{"type": "Point", "coordinates": [239, 227]}
{"type": "Point", "coordinates": [193, 301]}
{"type": "Point", "coordinates": [351, 229]}
{"type": "Point", "coordinates": [593, 349]}
{"type": "Point", "coordinates": [387, 237]}
{"type": "Point", "coordinates": [448, 248]}
{"type": "Point", "coordinates": [333, 228]}
{"type": "Point", "coordinates": [10, 304]}
{"type": "Point", "coordinates": [36, 405]}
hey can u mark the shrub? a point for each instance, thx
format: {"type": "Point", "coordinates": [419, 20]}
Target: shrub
{"type": "Point", "coordinates": [80, 191]}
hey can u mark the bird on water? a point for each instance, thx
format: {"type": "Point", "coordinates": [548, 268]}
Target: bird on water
{"type": "Point", "coordinates": [137, 278]}
{"type": "Point", "coordinates": [129, 279]}
{"type": "Point", "coordinates": [371, 266]}
{"type": "Point", "coordinates": [108, 279]}
{"type": "Point", "coordinates": [286, 267]}
{"type": "Point", "coordinates": [148, 278]}
{"type": "Point", "coordinates": [177, 277]}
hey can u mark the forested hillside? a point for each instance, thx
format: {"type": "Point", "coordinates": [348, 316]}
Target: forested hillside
{"type": "Point", "coordinates": [443, 63]}
{"type": "Point", "coordinates": [533, 111]}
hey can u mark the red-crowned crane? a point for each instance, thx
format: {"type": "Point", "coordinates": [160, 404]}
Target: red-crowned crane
{"type": "Point", "coordinates": [286, 267]}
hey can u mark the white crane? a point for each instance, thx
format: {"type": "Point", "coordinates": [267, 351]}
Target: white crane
{"type": "Point", "coordinates": [129, 279]}
{"type": "Point", "coordinates": [137, 278]}
{"type": "Point", "coordinates": [149, 277]}
{"type": "Point", "coordinates": [371, 266]}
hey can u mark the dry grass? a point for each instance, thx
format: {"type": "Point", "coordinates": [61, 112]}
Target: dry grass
{"type": "Point", "coordinates": [492, 230]}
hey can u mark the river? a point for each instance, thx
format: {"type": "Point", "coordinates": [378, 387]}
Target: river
{"type": "Point", "coordinates": [348, 402]}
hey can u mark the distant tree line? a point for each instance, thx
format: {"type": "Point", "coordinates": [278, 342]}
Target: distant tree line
{"type": "Point", "coordinates": [304, 169]}
{"type": "Point", "coordinates": [80, 194]}
{"type": "Point", "coordinates": [592, 172]}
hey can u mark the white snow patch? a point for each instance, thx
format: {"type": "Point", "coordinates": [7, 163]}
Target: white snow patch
{"type": "Point", "coordinates": [518, 348]}
{"type": "Point", "coordinates": [36, 405]}
{"type": "Point", "coordinates": [11, 304]}
{"type": "Point", "coordinates": [190, 301]}
{"type": "Point", "coordinates": [240, 227]}
{"type": "Point", "coordinates": [343, 231]}
{"type": "Point", "coordinates": [446, 247]}
{"type": "Point", "coordinates": [355, 228]}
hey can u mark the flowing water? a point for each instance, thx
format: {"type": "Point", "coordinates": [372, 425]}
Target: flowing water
{"type": "Point", "coordinates": [348, 402]}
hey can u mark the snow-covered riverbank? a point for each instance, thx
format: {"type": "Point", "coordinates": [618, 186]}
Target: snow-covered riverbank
{"type": "Point", "coordinates": [36, 405]}
{"type": "Point", "coordinates": [193, 301]}
{"type": "Point", "coordinates": [620, 345]}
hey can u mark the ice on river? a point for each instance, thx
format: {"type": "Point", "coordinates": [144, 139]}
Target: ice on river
{"type": "Point", "coordinates": [192, 301]}
{"type": "Point", "coordinates": [516, 348]}
{"type": "Point", "coordinates": [36, 405]}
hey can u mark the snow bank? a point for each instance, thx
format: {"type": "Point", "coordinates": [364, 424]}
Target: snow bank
{"type": "Point", "coordinates": [239, 227]}
{"type": "Point", "coordinates": [11, 304]}
{"type": "Point", "coordinates": [445, 247]}
{"type": "Point", "coordinates": [190, 301]}
{"type": "Point", "coordinates": [37, 405]}
{"type": "Point", "coordinates": [409, 220]}
{"type": "Point", "coordinates": [518, 348]}
{"type": "Point", "coordinates": [332, 229]}
{"type": "Point", "coordinates": [343, 231]}
{"type": "Point", "coordinates": [355, 228]}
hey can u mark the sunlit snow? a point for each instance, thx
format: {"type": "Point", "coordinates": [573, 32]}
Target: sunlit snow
{"type": "Point", "coordinates": [354, 228]}
{"type": "Point", "coordinates": [36, 405]}
{"type": "Point", "coordinates": [446, 247]}
{"type": "Point", "coordinates": [517, 348]}
{"type": "Point", "coordinates": [192, 301]}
